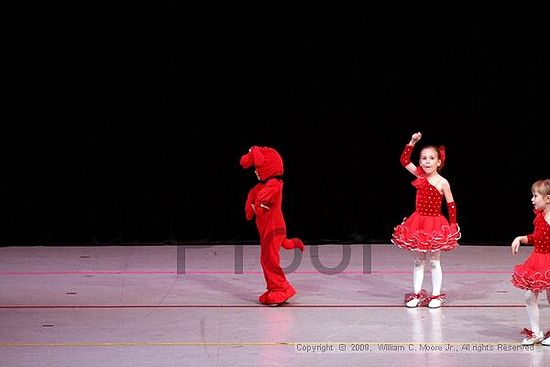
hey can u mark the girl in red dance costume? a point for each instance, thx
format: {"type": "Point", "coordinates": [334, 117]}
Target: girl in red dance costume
{"type": "Point", "coordinates": [534, 274]}
{"type": "Point", "coordinates": [427, 232]}
{"type": "Point", "coordinates": [264, 202]}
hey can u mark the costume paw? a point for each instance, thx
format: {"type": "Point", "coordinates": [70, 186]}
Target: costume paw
{"type": "Point", "coordinates": [277, 297]}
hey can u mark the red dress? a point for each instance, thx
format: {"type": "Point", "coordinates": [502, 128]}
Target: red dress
{"type": "Point", "coordinates": [426, 229]}
{"type": "Point", "coordinates": [534, 273]}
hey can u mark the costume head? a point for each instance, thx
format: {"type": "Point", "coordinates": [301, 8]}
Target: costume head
{"type": "Point", "coordinates": [267, 162]}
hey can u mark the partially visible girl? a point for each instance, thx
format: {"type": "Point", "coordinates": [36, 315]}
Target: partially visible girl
{"type": "Point", "coordinates": [533, 275]}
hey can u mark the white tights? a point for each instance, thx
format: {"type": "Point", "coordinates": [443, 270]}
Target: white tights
{"type": "Point", "coordinates": [420, 259]}
{"type": "Point", "coordinates": [532, 306]}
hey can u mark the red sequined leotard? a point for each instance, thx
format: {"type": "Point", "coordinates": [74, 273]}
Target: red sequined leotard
{"type": "Point", "coordinates": [426, 229]}
{"type": "Point", "coordinates": [534, 273]}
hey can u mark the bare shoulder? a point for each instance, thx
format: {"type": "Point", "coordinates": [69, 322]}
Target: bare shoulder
{"type": "Point", "coordinates": [444, 184]}
{"type": "Point", "coordinates": [440, 183]}
{"type": "Point", "coordinates": [445, 189]}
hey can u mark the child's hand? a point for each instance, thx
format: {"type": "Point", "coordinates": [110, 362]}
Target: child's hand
{"type": "Point", "coordinates": [515, 245]}
{"type": "Point", "coordinates": [416, 137]}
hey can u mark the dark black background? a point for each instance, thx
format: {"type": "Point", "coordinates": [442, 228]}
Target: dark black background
{"type": "Point", "coordinates": [129, 119]}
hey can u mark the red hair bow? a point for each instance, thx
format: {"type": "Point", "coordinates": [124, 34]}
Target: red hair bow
{"type": "Point", "coordinates": [442, 155]}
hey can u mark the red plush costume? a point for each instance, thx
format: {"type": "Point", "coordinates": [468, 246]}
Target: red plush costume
{"type": "Point", "coordinates": [264, 202]}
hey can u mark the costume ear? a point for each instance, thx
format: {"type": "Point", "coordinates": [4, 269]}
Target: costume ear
{"type": "Point", "coordinates": [254, 157]}
{"type": "Point", "coordinates": [258, 156]}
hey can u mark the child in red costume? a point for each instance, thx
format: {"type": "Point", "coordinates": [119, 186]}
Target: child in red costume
{"type": "Point", "coordinates": [533, 275]}
{"type": "Point", "coordinates": [427, 232]}
{"type": "Point", "coordinates": [264, 202]}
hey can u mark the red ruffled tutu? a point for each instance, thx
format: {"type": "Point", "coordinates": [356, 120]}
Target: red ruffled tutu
{"type": "Point", "coordinates": [534, 273]}
{"type": "Point", "coordinates": [426, 233]}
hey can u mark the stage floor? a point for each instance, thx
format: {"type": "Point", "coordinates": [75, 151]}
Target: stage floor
{"type": "Point", "coordinates": [197, 306]}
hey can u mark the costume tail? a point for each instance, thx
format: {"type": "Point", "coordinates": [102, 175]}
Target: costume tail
{"type": "Point", "coordinates": [293, 243]}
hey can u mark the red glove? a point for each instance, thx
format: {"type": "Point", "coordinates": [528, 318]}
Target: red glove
{"type": "Point", "coordinates": [406, 155]}
{"type": "Point", "coordinates": [451, 209]}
